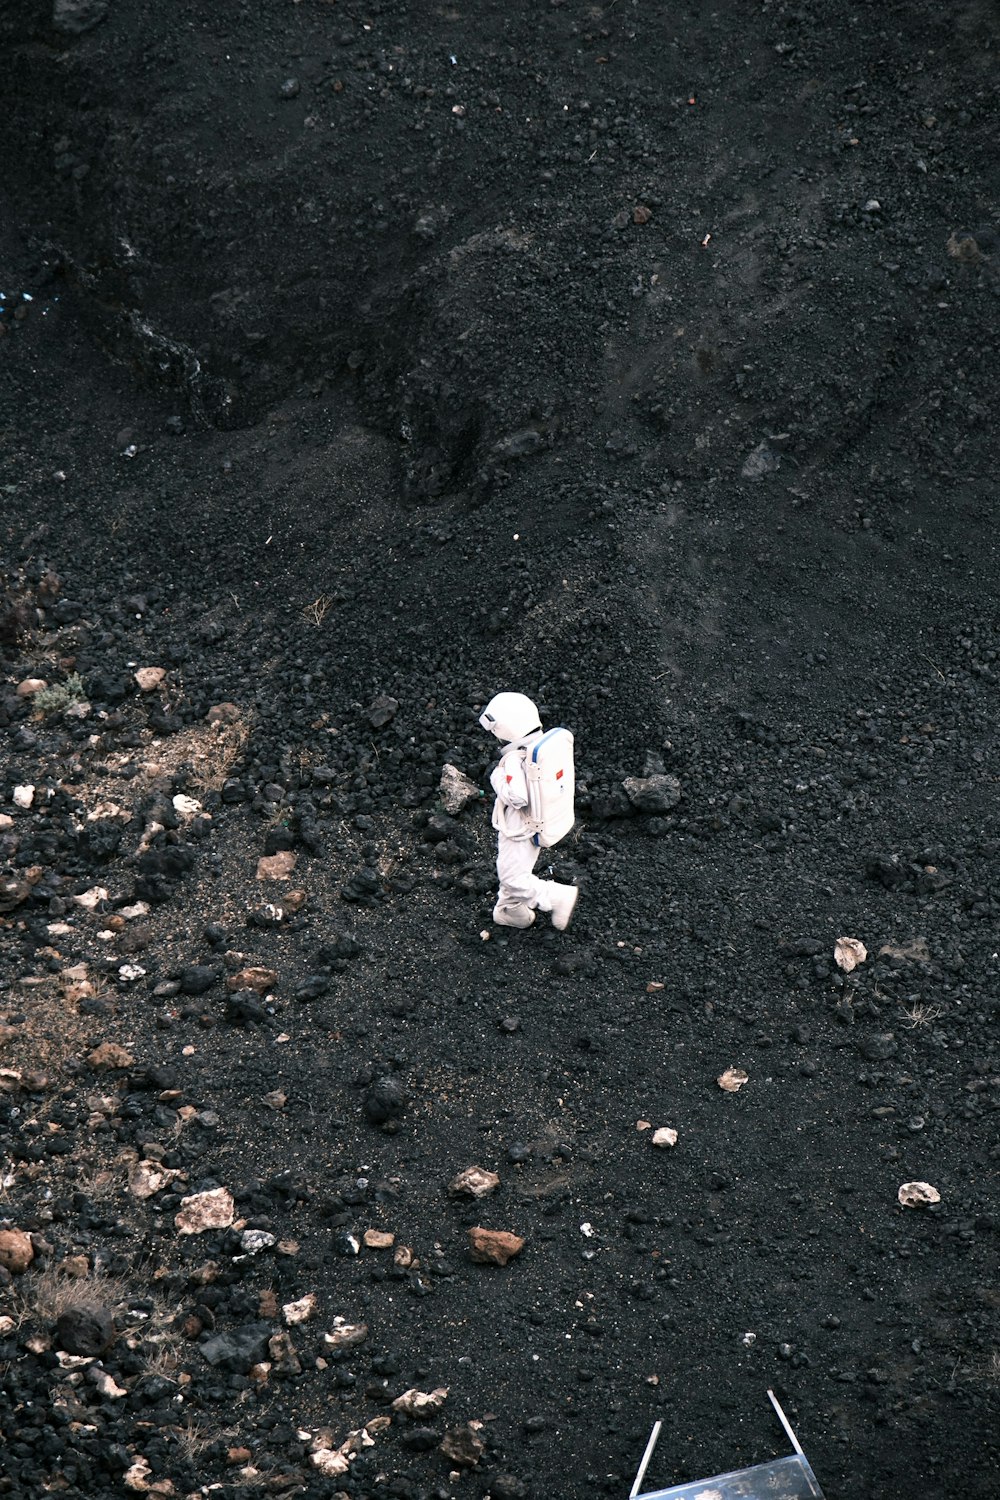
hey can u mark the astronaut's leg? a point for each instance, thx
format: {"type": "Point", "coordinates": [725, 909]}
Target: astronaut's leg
{"type": "Point", "coordinates": [519, 888]}
{"type": "Point", "coordinates": [521, 891]}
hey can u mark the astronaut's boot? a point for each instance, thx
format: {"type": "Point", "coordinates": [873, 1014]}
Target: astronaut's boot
{"type": "Point", "coordinates": [563, 898]}
{"type": "Point", "coordinates": [513, 915]}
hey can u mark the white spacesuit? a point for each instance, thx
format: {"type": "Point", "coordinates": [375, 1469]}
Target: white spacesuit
{"type": "Point", "coordinates": [513, 718]}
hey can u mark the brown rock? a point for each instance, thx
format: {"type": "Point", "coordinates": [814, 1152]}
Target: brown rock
{"type": "Point", "coordinates": [641, 214]}
{"type": "Point", "coordinates": [238, 1455]}
{"type": "Point", "coordinates": [284, 1354]}
{"type": "Point", "coordinates": [16, 1250]}
{"type": "Point", "coordinates": [223, 713]}
{"type": "Point", "coordinates": [30, 686]}
{"type": "Point", "coordinates": [378, 1239]}
{"type": "Point", "coordinates": [149, 678]}
{"type": "Point", "coordinates": [267, 1304]}
{"type": "Point", "coordinates": [463, 1445]}
{"type": "Point", "coordinates": [276, 866]}
{"type": "Point", "coordinates": [494, 1247]}
{"type": "Point", "coordinates": [261, 980]}
{"type": "Point", "coordinates": [110, 1055]}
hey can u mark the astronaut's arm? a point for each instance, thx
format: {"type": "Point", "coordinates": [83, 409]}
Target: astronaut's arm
{"type": "Point", "coordinates": [508, 781]}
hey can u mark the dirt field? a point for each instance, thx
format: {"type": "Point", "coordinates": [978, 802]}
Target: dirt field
{"type": "Point", "coordinates": [357, 362]}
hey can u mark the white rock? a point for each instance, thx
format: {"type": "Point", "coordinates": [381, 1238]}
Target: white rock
{"type": "Point", "coordinates": [345, 1335]}
{"type": "Point", "coordinates": [145, 1178]}
{"type": "Point", "coordinates": [106, 1384]}
{"type": "Point", "coordinates": [329, 1461]}
{"type": "Point", "coordinates": [129, 973]}
{"type": "Point", "coordinates": [254, 1241]}
{"type": "Point", "coordinates": [732, 1080]}
{"type": "Point", "coordinates": [300, 1311]}
{"type": "Point", "coordinates": [414, 1403]}
{"type": "Point", "coordinates": [149, 678]}
{"type": "Point", "coordinates": [457, 791]}
{"type": "Point", "coordinates": [848, 952]}
{"type": "Point", "coordinates": [24, 796]}
{"type": "Point", "coordinates": [474, 1182]}
{"type": "Point", "coordinates": [92, 898]}
{"type": "Point", "coordinates": [666, 1136]}
{"type": "Point", "coordinates": [186, 807]}
{"type": "Point", "coordinates": [917, 1195]}
{"type": "Point", "coordinates": [140, 909]}
{"type": "Point", "coordinates": [200, 1211]}
{"type": "Point", "coordinates": [6, 821]}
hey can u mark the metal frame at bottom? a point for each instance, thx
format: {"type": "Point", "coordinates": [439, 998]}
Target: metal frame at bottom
{"type": "Point", "coordinates": [789, 1478]}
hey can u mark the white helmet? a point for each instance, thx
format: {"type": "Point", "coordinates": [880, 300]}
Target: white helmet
{"type": "Point", "coordinates": [510, 716]}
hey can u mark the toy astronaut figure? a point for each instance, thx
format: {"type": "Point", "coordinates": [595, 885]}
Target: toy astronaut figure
{"type": "Point", "coordinates": [513, 718]}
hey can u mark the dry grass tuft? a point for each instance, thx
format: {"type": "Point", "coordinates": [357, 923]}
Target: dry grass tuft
{"type": "Point", "coordinates": [317, 611]}
{"type": "Point", "coordinates": [921, 1015]}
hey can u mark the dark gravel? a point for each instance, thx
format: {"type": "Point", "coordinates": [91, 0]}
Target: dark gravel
{"type": "Point", "coordinates": [356, 364]}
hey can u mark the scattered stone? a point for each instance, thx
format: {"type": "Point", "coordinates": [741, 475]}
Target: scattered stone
{"type": "Point", "coordinates": [136, 1477]}
{"type": "Point", "coordinates": [457, 791]}
{"type": "Point", "coordinates": [146, 1178]}
{"type": "Point", "coordinates": [86, 1330]}
{"type": "Point", "coordinates": [238, 1349]}
{"type": "Point", "coordinates": [91, 899]}
{"type": "Point", "coordinates": [378, 1239]}
{"type": "Point", "coordinates": [253, 1241]}
{"type": "Point", "coordinates": [652, 794]}
{"type": "Point", "coordinates": [109, 1055]}
{"type": "Point", "coordinates": [762, 460]}
{"type": "Point", "coordinates": [276, 866]}
{"type": "Point", "coordinates": [382, 711]}
{"type": "Point", "coordinates": [261, 981]}
{"type": "Point", "coordinates": [463, 1445]}
{"type": "Point", "coordinates": [493, 1246]}
{"type": "Point", "coordinates": [185, 807]}
{"type": "Point", "coordinates": [732, 1080]}
{"type": "Point", "coordinates": [665, 1137]}
{"type": "Point", "coordinates": [344, 1335]}
{"type": "Point", "coordinates": [300, 1311]}
{"type": "Point", "coordinates": [848, 952]}
{"type": "Point", "coordinates": [284, 1354]}
{"type": "Point", "coordinates": [384, 1102]}
{"type": "Point", "coordinates": [421, 1404]}
{"type": "Point", "coordinates": [213, 1209]}
{"type": "Point", "coordinates": [13, 891]}
{"type": "Point", "coordinates": [918, 1195]}
{"type": "Point", "coordinates": [131, 973]}
{"type": "Point", "coordinates": [474, 1182]}
{"type": "Point", "coordinates": [197, 978]}
{"type": "Point", "coordinates": [917, 950]}
{"type": "Point", "coordinates": [16, 1251]}
{"type": "Point", "coordinates": [105, 1384]}
{"type": "Point", "coordinates": [149, 678]}
{"type": "Point", "coordinates": [223, 713]}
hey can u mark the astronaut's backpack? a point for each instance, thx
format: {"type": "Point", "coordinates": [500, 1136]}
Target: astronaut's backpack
{"type": "Point", "coordinates": [548, 769]}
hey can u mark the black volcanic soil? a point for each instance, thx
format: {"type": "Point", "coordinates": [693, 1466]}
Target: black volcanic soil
{"type": "Point", "coordinates": [638, 356]}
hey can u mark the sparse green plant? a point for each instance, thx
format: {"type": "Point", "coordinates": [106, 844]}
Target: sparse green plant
{"type": "Point", "coordinates": [60, 696]}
